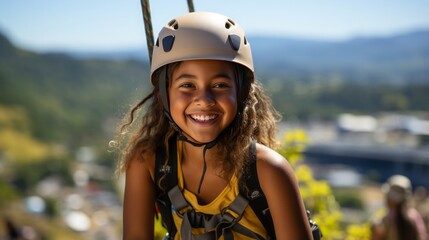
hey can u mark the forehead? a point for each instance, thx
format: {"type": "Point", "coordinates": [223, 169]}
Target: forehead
{"type": "Point", "coordinates": [204, 66]}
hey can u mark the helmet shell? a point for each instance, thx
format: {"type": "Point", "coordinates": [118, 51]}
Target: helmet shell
{"type": "Point", "coordinates": [397, 188]}
{"type": "Point", "coordinates": [201, 35]}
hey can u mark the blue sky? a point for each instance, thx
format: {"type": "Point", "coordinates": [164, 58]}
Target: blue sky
{"type": "Point", "coordinates": [44, 25]}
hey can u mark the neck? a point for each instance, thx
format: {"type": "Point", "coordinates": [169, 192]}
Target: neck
{"type": "Point", "coordinates": [190, 156]}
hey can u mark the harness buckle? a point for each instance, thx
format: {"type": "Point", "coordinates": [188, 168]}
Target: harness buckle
{"type": "Point", "coordinates": [227, 214]}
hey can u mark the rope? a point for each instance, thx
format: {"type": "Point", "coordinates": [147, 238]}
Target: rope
{"type": "Point", "coordinates": [191, 6]}
{"type": "Point", "coordinates": [148, 26]}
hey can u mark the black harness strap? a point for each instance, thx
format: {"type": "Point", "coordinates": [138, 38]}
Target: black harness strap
{"type": "Point", "coordinates": [166, 176]}
{"type": "Point", "coordinates": [251, 189]}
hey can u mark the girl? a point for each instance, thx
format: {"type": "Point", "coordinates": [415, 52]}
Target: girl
{"type": "Point", "coordinates": [401, 221]}
{"type": "Point", "coordinates": [207, 107]}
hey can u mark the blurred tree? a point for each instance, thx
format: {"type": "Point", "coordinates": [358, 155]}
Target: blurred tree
{"type": "Point", "coordinates": [358, 232]}
{"type": "Point", "coordinates": [16, 141]}
{"type": "Point", "coordinates": [318, 196]}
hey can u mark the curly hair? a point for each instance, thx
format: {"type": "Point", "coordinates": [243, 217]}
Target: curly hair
{"type": "Point", "coordinates": [256, 121]}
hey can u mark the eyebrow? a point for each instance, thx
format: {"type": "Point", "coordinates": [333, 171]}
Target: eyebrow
{"type": "Point", "coordinates": [184, 75]}
{"type": "Point", "coordinates": [220, 75]}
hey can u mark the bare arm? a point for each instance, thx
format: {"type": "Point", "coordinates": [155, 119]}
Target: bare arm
{"type": "Point", "coordinates": [139, 199]}
{"type": "Point", "coordinates": [284, 199]}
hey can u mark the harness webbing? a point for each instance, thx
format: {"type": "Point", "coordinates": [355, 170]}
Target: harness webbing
{"type": "Point", "coordinates": [214, 225]}
{"type": "Point", "coordinates": [171, 197]}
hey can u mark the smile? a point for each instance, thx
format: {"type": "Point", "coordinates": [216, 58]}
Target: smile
{"type": "Point", "coordinates": [203, 118]}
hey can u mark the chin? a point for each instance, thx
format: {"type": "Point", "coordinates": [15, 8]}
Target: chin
{"type": "Point", "coordinates": [204, 139]}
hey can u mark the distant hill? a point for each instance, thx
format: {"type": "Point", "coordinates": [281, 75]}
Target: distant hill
{"type": "Point", "coordinates": [396, 59]}
{"type": "Point", "coordinates": [65, 98]}
{"type": "Point", "coordinates": [399, 59]}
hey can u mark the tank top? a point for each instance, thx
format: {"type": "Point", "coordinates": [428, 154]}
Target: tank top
{"type": "Point", "coordinates": [224, 199]}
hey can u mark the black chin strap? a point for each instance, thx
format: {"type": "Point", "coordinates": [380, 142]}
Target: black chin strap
{"type": "Point", "coordinates": [207, 146]}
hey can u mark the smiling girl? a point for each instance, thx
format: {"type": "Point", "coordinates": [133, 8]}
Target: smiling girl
{"type": "Point", "coordinates": [206, 121]}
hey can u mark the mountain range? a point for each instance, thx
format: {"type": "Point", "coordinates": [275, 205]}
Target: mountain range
{"type": "Point", "coordinates": [396, 59]}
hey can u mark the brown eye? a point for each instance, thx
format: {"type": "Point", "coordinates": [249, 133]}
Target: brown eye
{"type": "Point", "coordinates": [221, 85]}
{"type": "Point", "coordinates": [186, 85]}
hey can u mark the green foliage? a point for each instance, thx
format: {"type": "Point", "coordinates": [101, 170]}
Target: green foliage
{"type": "Point", "coordinates": [16, 141]}
{"type": "Point", "coordinates": [27, 174]}
{"type": "Point", "coordinates": [25, 159]}
{"type": "Point", "coordinates": [7, 193]}
{"type": "Point", "coordinates": [68, 100]}
{"type": "Point", "coordinates": [325, 99]}
{"type": "Point", "coordinates": [51, 207]}
{"type": "Point", "coordinates": [349, 198]}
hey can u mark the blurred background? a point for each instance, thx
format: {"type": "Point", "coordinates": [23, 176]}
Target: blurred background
{"type": "Point", "coordinates": [351, 79]}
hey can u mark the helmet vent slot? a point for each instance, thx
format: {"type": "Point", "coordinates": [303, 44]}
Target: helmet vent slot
{"type": "Point", "coordinates": [234, 40]}
{"type": "Point", "coordinates": [229, 23]}
{"type": "Point", "coordinates": [167, 43]}
{"type": "Point", "coordinates": [173, 23]}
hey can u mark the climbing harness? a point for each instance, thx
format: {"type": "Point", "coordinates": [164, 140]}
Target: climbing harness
{"type": "Point", "coordinates": [169, 197]}
{"type": "Point", "coordinates": [222, 224]}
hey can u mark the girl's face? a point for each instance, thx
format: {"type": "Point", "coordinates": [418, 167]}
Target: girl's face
{"type": "Point", "coordinates": [203, 98]}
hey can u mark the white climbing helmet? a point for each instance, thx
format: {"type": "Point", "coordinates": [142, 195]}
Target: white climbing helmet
{"type": "Point", "coordinates": [201, 35]}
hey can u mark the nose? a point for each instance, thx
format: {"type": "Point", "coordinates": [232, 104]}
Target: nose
{"type": "Point", "coordinates": [204, 98]}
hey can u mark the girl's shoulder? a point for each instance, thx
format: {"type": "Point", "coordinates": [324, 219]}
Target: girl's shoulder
{"type": "Point", "coordinates": [272, 166]}
{"type": "Point", "coordinates": [143, 161]}
{"type": "Point", "coordinates": [269, 158]}
{"type": "Point", "coordinates": [281, 190]}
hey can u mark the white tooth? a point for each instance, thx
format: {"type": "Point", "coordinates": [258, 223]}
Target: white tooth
{"type": "Point", "coordinates": [203, 117]}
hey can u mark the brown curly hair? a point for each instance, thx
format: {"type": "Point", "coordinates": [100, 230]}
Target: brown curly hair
{"type": "Point", "coordinates": [145, 129]}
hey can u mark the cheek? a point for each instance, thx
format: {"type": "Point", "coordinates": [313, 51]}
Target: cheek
{"type": "Point", "coordinates": [232, 104]}
{"type": "Point", "coordinates": [178, 103]}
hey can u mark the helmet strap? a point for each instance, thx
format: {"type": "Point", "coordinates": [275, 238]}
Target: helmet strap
{"type": "Point", "coordinates": [239, 83]}
{"type": "Point", "coordinates": [163, 89]}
